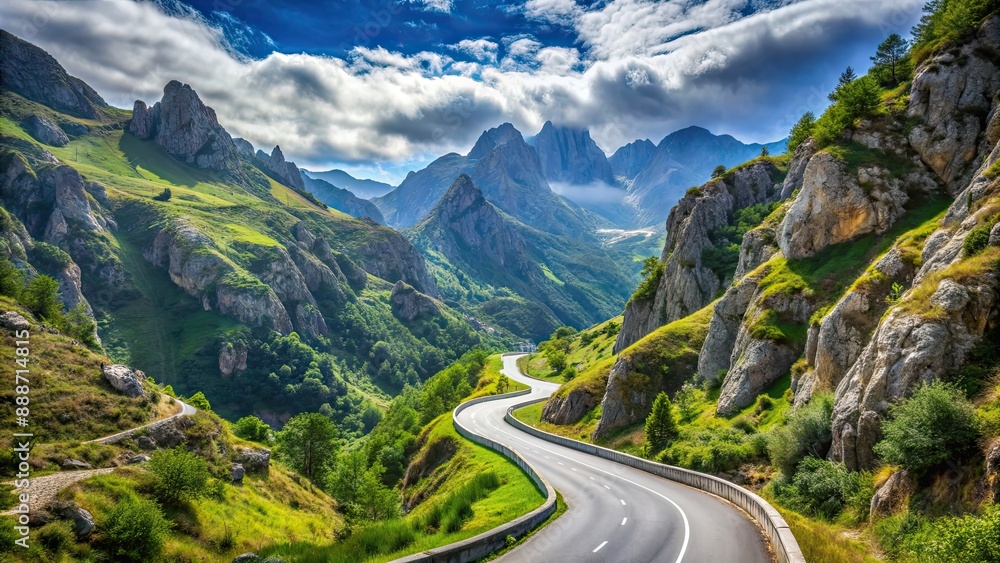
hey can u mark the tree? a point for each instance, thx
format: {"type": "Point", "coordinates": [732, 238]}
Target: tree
{"type": "Point", "coordinates": [252, 428]}
{"type": "Point", "coordinates": [503, 383]}
{"type": "Point", "coordinates": [687, 400]}
{"type": "Point", "coordinates": [846, 78]}
{"type": "Point", "coordinates": [180, 475]}
{"type": "Point", "coordinates": [718, 171]}
{"type": "Point", "coordinates": [308, 443]}
{"type": "Point", "coordinates": [889, 55]}
{"type": "Point", "coordinates": [660, 425]}
{"type": "Point", "coordinates": [764, 152]}
{"type": "Point", "coordinates": [556, 359]}
{"type": "Point", "coordinates": [42, 297]}
{"type": "Point", "coordinates": [801, 131]}
{"type": "Point", "coordinates": [11, 279]}
{"type": "Point", "coordinates": [934, 425]}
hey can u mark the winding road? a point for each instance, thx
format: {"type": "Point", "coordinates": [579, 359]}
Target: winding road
{"type": "Point", "coordinates": [616, 513]}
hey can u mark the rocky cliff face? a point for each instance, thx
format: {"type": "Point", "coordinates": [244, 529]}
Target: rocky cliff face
{"type": "Point", "coordinates": [570, 156]}
{"type": "Point", "coordinates": [34, 74]}
{"type": "Point", "coordinates": [630, 159]}
{"type": "Point", "coordinates": [408, 304]}
{"type": "Point", "coordinates": [687, 285]}
{"type": "Point", "coordinates": [286, 171]}
{"type": "Point", "coordinates": [186, 129]}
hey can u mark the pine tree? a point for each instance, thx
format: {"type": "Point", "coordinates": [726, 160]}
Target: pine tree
{"type": "Point", "coordinates": [660, 425]}
{"type": "Point", "coordinates": [890, 54]}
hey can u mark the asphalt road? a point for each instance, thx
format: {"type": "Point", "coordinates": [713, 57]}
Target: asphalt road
{"type": "Point", "coordinates": [616, 513]}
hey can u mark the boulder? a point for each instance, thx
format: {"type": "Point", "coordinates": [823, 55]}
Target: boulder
{"type": "Point", "coordinates": [569, 407]}
{"type": "Point", "coordinates": [893, 495]}
{"type": "Point", "coordinates": [254, 460]}
{"type": "Point", "coordinates": [83, 520]}
{"type": "Point", "coordinates": [124, 379]}
{"type": "Point", "coordinates": [45, 131]}
{"type": "Point", "coordinates": [137, 458]}
{"type": "Point", "coordinates": [145, 443]}
{"type": "Point", "coordinates": [75, 464]}
{"type": "Point", "coordinates": [237, 472]}
{"type": "Point", "coordinates": [11, 320]}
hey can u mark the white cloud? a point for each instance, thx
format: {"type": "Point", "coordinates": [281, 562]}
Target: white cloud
{"type": "Point", "coordinates": [564, 12]}
{"type": "Point", "coordinates": [433, 5]}
{"type": "Point", "coordinates": [638, 75]}
{"type": "Point", "coordinates": [482, 50]}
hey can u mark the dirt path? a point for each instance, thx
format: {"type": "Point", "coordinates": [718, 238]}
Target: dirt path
{"type": "Point", "coordinates": [43, 490]}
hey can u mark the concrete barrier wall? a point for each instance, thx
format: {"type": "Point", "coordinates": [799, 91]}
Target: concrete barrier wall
{"type": "Point", "coordinates": [782, 541]}
{"type": "Point", "coordinates": [478, 547]}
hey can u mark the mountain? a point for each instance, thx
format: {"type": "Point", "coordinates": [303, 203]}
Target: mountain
{"type": "Point", "coordinates": [684, 159]}
{"type": "Point", "coordinates": [34, 74]}
{"type": "Point", "coordinates": [208, 266]}
{"type": "Point", "coordinates": [509, 173]}
{"type": "Point", "coordinates": [570, 156]}
{"type": "Point", "coordinates": [630, 159]}
{"type": "Point", "coordinates": [342, 200]}
{"type": "Point", "coordinates": [365, 189]}
{"type": "Point", "coordinates": [482, 255]}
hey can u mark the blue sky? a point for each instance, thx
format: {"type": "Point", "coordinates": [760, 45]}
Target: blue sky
{"type": "Point", "coordinates": [379, 87]}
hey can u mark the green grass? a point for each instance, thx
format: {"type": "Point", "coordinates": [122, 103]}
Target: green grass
{"type": "Point", "coordinates": [245, 518]}
{"type": "Point", "coordinates": [550, 276]}
{"type": "Point", "coordinates": [515, 495]}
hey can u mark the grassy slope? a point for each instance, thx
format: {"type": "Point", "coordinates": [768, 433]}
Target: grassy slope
{"type": "Point", "coordinates": [515, 496]}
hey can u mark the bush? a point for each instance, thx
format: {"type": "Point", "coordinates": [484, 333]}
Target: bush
{"type": "Point", "coordinates": [164, 195]}
{"type": "Point", "coordinates": [858, 99]}
{"type": "Point", "coordinates": [718, 171]}
{"type": "Point", "coordinates": [133, 530]}
{"type": "Point", "coordinates": [42, 297]}
{"type": "Point", "coordinates": [976, 241]}
{"type": "Point", "coordinates": [11, 279]}
{"type": "Point", "coordinates": [180, 475]}
{"type": "Point", "coordinates": [55, 536]}
{"type": "Point", "coordinates": [969, 539]}
{"type": "Point", "coordinates": [568, 374]}
{"type": "Point", "coordinates": [652, 272]}
{"type": "Point", "coordinates": [822, 488]}
{"type": "Point", "coordinates": [936, 424]}
{"type": "Point", "coordinates": [253, 429]}
{"type": "Point", "coordinates": [199, 401]}
{"type": "Point", "coordinates": [807, 432]}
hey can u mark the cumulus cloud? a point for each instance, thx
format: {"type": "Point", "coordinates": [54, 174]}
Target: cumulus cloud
{"type": "Point", "coordinates": [480, 49]}
{"type": "Point", "coordinates": [643, 69]}
{"type": "Point", "coordinates": [563, 12]}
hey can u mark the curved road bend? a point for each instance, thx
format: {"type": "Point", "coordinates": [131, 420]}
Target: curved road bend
{"type": "Point", "coordinates": [616, 513]}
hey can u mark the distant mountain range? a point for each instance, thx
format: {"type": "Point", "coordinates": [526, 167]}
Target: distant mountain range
{"type": "Point", "coordinates": [635, 187]}
{"type": "Point", "coordinates": [365, 189]}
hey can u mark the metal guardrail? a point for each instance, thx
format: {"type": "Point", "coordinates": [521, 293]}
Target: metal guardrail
{"type": "Point", "coordinates": [478, 547]}
{"type": "Point", "coordinates": [786, 548]}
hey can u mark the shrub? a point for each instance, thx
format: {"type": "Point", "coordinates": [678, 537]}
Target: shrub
{"type": "Point", "coordinates": [199, 401]}
{"type": "Point", "coordinates": [11, 279]}
{"type": "Point", "coordinates": [252, 428]}
{"type": "Point", "coordinates": [568, 374]}
{"type": "Point", "coordinates": [42, 297]}
{"type": "Point", "coordinates": [687, 399]}
{"type": "Point", "coordinates": [807, 432]}
{"type": "Point", "coordinates": [164, 195]}
{"type": "Point", "coordinates": [55, 536]}
{"type": "Point", "coordinates": [823, 488]}
{"type": "Point", "coordinates": [718, 171]}
{"type": "Point", "coordinates": [133, 530]}
{"type": "Point", "coordinates": [652, 272]}
{"type": "Point", "coordinates": [858, 99]}
{"type": "Point", "coordinates": [976, 241]}
{"type": "Point", "coordinates": [936, 424]}
{"type": "Point", "coordinates": [180, 475]}
{"type": "Point", "coordinates": [969, 539]}
{"type": "Point", "coordinates": [693, 191]}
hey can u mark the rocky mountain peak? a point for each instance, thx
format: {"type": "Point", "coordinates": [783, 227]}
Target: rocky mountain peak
{"type": "Point", "coordinates": [285, 170]}
{"type": "Point", "coordinates": [569, 155]}
{"type": "Point", "coordinates": [36, 75]}
{"type": "Point", "coordinates": [630, 159]}
{"type": "Point", "coordinates": [493, 138]}
{"type": "Point", "coordinates": [186, 129]}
